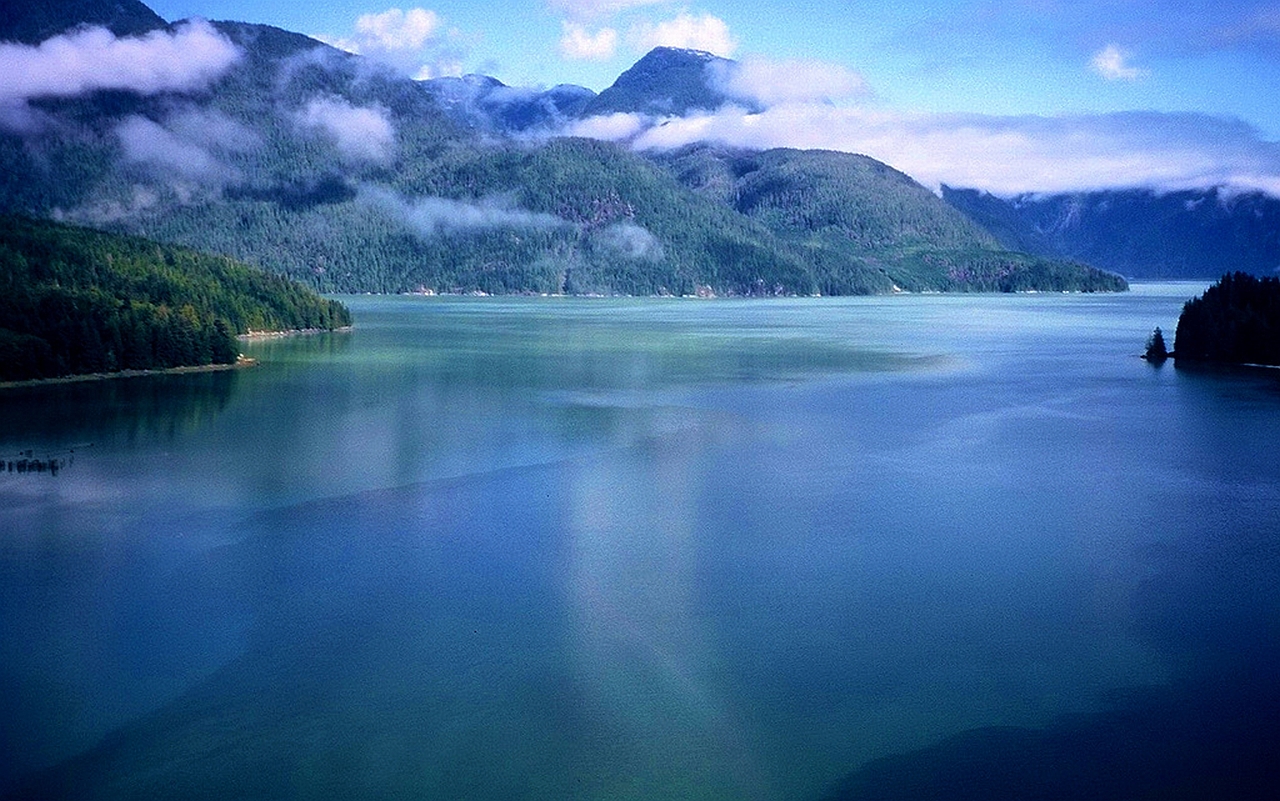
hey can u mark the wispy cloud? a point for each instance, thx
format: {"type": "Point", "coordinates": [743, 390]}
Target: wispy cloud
{"type": "Point", "coordinates": [1112, 63]}
{"type": "Point", "coordinates": [1261, 26]}
{"type": "Point", "coordinates": [186, 145]}
{"type": "Point", "coordinates": [583, 10]}
{"type": "Point", "coordinates": [702, 32]}
{"type": "Point", "coordinates": [579, 44]}
{"type": "Point", "coordinates": [148, 142]}
{"type": "Point", "coordinates": [189, 58]}
{"type": "Point", "coordinates": [430, 216]}
{"type": "Point", "coordinates": [1003, 155]}
{"type": "Point", "coordinates": [361, 133]}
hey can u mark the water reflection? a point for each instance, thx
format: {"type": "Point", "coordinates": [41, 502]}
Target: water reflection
{"type": "Point", "coordinates": [157, 407]}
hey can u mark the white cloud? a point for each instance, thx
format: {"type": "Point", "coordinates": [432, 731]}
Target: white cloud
{"type": "Point", "coordinates": [395, 29]}
{"type": "Point", "coordinates": [1113, 64]}
{"type": "Point", "coordinates": [771, 83]}
{"type": "Point", "coordinates": [609, 127]}
{"type": "Point", "coordinates": [1002, 155]}
{"type": "Point", "coordinates": [579, 44]}
{"type": "Point", "coordinates": [414, 42]}
{"type": "Point", "coordinates": [360, 133]}
{"type": "Point", "coordinates": [705, 32]}
{"type": "Point", "coordinates": [191, 57]}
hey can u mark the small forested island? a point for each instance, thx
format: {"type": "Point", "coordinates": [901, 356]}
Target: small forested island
{"type": "Point", "coordinates": [75, 301]}
{"type": "Point", "coordinates": [1237, 321]}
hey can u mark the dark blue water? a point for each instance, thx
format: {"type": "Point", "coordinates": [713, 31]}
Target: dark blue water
{"type": "Point", "coordinates": [898, 547]}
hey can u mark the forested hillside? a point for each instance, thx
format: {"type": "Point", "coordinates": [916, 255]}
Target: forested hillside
{"type": "Point", "coordinates": [78, 301]}
{"type": "Point", "coordinates": [314, 163]}
{"type": "Point", "coordinates": [864, 227]}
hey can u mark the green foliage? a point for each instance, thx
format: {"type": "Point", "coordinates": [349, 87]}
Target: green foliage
{"type": "Point", "coordinates": [861, 226]}
{"type": "Point", "coordinates": [79, 301]}
{"type": "Point", "coordinates": [1236, 320]}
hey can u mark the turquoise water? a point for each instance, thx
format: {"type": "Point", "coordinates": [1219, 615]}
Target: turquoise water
{"type": "Point", "coordinates": [567, 548]}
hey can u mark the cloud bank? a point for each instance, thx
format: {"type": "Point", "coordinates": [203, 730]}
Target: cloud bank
{"type": "Point", "coordinates": [359, 133]}
{"type": "Point", "coordinates": [190, 58]}
{"type": "Point", "coordinates": [1002, 155]}
{"type": "Point", "coordinates": [770, 83]}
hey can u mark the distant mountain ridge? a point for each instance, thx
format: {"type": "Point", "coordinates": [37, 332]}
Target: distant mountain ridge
{"type": "Point", "coordinates": [321, 165]}
{"type": "Point", "coordinates": [1138, 233]}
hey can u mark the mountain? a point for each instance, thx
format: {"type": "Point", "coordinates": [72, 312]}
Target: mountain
{"type": "Point", "coordinates": [33, 22]}
{"type": "Point", "coordinates": [1139, 233]}
{"type": "Point", "coordinates": [77, 301]}
{"type": "Point", "coordinates": [863, 226]}
{"type": "Point", "coordinates": [489, 105]}
{"type": "Point", "coordinates": [321, 165]}
{"type": "Point", "coordinates": [667, 81]}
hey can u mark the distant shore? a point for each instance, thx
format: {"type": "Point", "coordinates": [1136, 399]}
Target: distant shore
{"type": "Point", "coordinates": [241, 362]}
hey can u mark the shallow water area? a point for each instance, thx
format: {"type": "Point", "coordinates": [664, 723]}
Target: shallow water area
{"type": "Point", "coordinates": [640, 548]}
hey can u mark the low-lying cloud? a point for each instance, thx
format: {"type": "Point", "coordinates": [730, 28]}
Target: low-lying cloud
{"type": "Point", "coordinates": [187, 145]}
{"type": "Point", "coordinates": [431, 216]}
{"type": "Point", "coordinates": [1002, 155]}
{"type": "Point", "coordinates": [190, 57]}
{"type": "Point", "coordinates": [360, 133]}
{"type": "Point", "coordinates": [632, 241]}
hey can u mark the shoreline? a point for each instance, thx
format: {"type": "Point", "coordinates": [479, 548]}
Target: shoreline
{"type": "Point", "coordinates": [240, 363]}
{"type": "Point", "coordinates": [260, 336]}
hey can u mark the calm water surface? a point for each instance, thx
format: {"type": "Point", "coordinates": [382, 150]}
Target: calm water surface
{"type": "Point", "coordinates": [580, 549]}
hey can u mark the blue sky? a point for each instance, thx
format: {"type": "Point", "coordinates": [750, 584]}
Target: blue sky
{"type": "Point", "coordinates": [1124, 71]}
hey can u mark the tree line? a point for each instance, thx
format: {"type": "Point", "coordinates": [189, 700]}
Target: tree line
{"type": "Point", "coordinates": [1236, 320]}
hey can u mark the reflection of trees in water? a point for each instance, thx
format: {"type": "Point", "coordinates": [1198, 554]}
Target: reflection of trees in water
{"type": "Point", "coordinates": [157, 407]}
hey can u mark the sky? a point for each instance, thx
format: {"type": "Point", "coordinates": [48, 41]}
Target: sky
{"type": "Point", "coordinates": [1006, 95]}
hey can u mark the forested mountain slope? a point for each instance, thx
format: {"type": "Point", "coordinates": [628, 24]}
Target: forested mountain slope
{"type": "Point", "coordinates": [323, 166]}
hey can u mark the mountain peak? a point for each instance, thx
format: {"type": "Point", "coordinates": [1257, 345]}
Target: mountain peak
{"type": "Point", "coordinates": [666, 81]}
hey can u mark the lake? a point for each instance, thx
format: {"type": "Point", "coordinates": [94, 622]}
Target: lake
{"type": "Point", "coordinates": [548, 548]}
